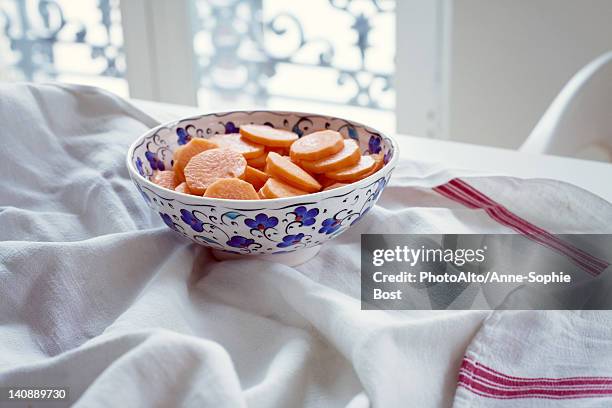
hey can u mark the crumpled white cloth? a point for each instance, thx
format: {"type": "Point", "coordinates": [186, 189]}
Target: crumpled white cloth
{"type": "Point", "coordinates": [96, 294]}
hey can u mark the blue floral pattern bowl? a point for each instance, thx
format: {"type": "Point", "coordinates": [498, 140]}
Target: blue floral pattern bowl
{"type": "Point", "coordinates": [266, 226]}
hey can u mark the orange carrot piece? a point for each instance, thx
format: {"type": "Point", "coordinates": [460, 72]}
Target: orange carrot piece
{"type": "Point", "coordinates": [231, 189]}
{"type": "Point", "coordinates": [268, 136]}
{"type": "Point", "coordinates": [184, 153]}
{"type": "Point", "coordinates": [256, 177]}
{"type": "Point", "coordinates": [378, 158]}
{"type": "Point", "coordinates": [335, 185]}
{"type": "Point", "coordinates": [316, 145]}
{"type": "Point", "coordinates": [165, 179]}
{"type": "Point", "coordinates": [277, 189]}
{"type": "Point", "coordinates": [207, 167]}
{"type": "Point", "coordinates": [348, 156]}
{"type": "Point", "coordinates": [261, 194]}
{"type": "Point", "coordinates": [289, 172]}
{"type": "Point", "coordinates": [180, 177]}
{"type": "Point", "coordinates": [354, 172]}
{"type": "Point", "coordinates": [258, 162]}
{"type": "Point", "coordinates": [283, 151]}
{"type": "Point", "coordinates": [236, 142]}
{"type": "Point", "coordinates": [183, 188]}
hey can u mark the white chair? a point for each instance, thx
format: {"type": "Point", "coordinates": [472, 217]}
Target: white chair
{"type": "Point", "coordinates": [579, 121]}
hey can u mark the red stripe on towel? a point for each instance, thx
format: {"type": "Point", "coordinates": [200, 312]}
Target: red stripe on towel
{"type": "Point", "coordinates": [484, 381]}
{"type": "Point", "coordinates": [518, 224]}
{"type": "Point", "coordinates": [498, 378]}
{"type": "Point", "coordinates": [462, 185]}
{"type": "Point", "coordinates": [459, 191]}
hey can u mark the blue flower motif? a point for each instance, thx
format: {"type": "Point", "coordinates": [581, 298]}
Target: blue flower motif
{"type": "Point", "coordinates": [183, 136]}
{"type": "Point", "coordinates": [353, 133]}
{"type": "Point", "coordinates": [154, 162]}
{"type": "Point", "coordinates": [306, 217]}
{"type": "Point", "coordinates": [330, 225]}
{"type": "Point", "coordinates": [374, 144]}
{"type": "Point", "coordinates": [167, 220]}
{"type": "Point", "coordinates": [139, 166]}
{"type": "Point", "coordinates": [190, 219]}
{"type": "Point", "coordinates": [261, 222]}
{"type": "Point", "coordinates": [231, 128]}
{"type": "Point", "coordinates": [240, 242]}
{"type": "Point", "coordinates": [290, 240]}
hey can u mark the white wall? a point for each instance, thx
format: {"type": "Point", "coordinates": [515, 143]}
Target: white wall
{"type": "Point", "coordinates": [510, 58]}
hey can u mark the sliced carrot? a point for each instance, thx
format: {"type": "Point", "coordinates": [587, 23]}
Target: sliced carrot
{"type": "Point", "coordinates": [267, 135]}
{"type": "Point", "coordinates": [207, 167]}
{"type": "Point", "coordinates": [289, 172]}
{"type": "Point", "coordinates": [231, 189]}
{"type": "Point", "coordinates": [183, 188]}
{"type": "Point", "coordinates": [283, 151]}
{"type": "Point", "coordinates": [324, 181]}
{"type": "Point", "coordinates": [316, 145]}
{"type": "Point", "coordinates": [335, 185]}
{"type": "Point", "coordinates": [256, 177]}
{"type": "Point", "coordinates": [277, 189]}
{"type": "Point", "coordinates": [183, 154]}
{"type": "Point", "coordinates": [236, 142]}
{"type": "Point", "coordinates": [348, 156]}
{"type": "Point", "coordinates": [165, 179]}
{"type": "Point", "coordinates": [354, 172]}
{"type": "Point", "coordinates": [258, 162]}
{"type": "Point", "coordinates": [180, 177]}
{"type": "Point", "coordinates": [378, 158]}
{"type": "Point", "coordinates": [261, 194]}
{"type": "Point", "coordinates": [380, 161]}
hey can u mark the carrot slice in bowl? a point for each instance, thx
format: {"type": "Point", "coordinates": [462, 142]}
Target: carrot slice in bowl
{"type": "Point", "coordinates": [348, 156]}
{"type": "Point", "coordinates": [184, 153]}
{"type": "Point", "coordinates": [284, 169]}
{"type": "Point", "coordinates": [183, 188]}
{"type": "Point", "coordinates": [379, 159]}
{"type": "Point", "coordinates": [256, 177]}
{"type": "Point", "coordinates": [258, 162]}
{"type": "Point", "coordinates": [354, 172]}
{"type": "Point", "coordinates": [165, 178]}
{"type": "Point", "coordinates": [316, 145]}
{"type": "Point", "coordinates": [207, 167]}
{"type": "Point", "coordinates": [236, 142]}
{"type": "Point", "coordinates": [268, 136]}
{"type": "Point", "coordinates": [231, 189]}
{"type": "Point", "coordinates": [277, 189]}
{"type": "Point", "coordinates": [335, 185]}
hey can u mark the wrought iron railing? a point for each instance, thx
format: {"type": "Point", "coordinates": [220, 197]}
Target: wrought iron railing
{"type": "Point", "coordinates": [233, 44]}
{"type": "Point", "coordinates": [260, 48]}
{"type": "Point", "coordinates": [33, 33]}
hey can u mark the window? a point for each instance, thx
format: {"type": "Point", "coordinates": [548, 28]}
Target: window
{"type": "Point", "coordinates": [329, 56]}
{"type": "Point", "coordinates": [70, 41]}
{"type": "Point", "coordinates": [255, 53]}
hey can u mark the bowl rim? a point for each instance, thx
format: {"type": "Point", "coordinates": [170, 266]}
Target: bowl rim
{"type": "Point", "coordinates": [318, 196]}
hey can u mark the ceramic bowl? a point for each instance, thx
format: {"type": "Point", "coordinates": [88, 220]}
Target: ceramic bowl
{"type": "Point", "coordinates": [260, 227]}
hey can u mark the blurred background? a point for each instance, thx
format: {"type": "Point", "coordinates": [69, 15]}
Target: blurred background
{"type": "Point", "coordinates": [477, 71]}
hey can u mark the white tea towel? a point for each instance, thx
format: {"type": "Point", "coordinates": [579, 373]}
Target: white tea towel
{"type": "Point", "coordinates": [97, 295]}
{"type": "Point", "coordinates": [539, 359]}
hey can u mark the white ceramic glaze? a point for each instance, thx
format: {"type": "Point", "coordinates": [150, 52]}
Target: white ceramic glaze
{"type": "Point", "coordinates": [258, 227]}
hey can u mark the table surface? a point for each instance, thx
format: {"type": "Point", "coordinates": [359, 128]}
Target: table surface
{"type": "Point", "coordinates": [593, 176]}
